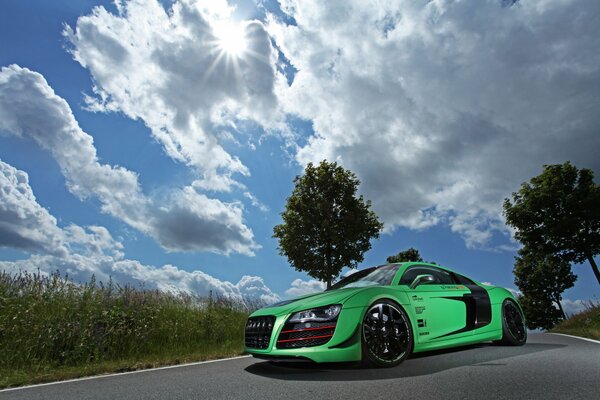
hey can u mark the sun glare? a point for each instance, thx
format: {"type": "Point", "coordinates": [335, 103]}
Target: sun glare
{"type": "Point", "coordinates": [231, 38]}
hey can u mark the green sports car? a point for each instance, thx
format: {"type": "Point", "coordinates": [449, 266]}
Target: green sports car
{"type": "Point", "coordinates": [380, 315]}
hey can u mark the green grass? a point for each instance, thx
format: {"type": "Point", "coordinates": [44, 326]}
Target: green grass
{"type": "Point", "coordinates": [52, 329]}
{"type": "Point", "coordinates": [585, 324]}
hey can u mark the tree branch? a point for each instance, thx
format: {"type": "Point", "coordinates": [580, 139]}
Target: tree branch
{"type": "Point", "coordinates": [590, 258]}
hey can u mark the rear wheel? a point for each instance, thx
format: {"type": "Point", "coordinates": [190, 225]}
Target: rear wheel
{"type": "Point", "coordinates": [386, 335]}
{"type": "Point", "coordinates": [514, 332]}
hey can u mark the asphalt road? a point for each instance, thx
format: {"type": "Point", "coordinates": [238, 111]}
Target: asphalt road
{"type": "Point", "coordinates": [548, 366]}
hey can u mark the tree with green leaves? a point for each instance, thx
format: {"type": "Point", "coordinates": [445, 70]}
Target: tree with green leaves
{"type": "Point", "coordinates": [410, 254]}
{"type": "Point", "coordinates": [542, 276]}
{"type": "Point", "coordinates": [540, 312]}
{"type": "Point", "coordinates": [326, 226]}
{"type": "Point", "coordinates": [558, 213]}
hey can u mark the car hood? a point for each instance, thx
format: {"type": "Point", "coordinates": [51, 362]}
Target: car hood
{"type": "Point", "coordinates": [309, 301]}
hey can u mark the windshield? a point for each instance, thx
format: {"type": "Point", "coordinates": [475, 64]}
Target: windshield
{"type": "Point", "coordinates": [375, 276]}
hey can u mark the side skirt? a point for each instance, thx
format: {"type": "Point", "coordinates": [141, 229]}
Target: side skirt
{"type": "Point", "coordinates": [466, 340]}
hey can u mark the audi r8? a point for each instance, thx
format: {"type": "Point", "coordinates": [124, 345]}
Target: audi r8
{"type": "Point", "coordinates": [380, 315]}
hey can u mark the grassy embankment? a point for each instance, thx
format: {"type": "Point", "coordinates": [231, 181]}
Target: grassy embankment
{"type": "Point", "coordinates": [585, 324]}
{"type": "Point", "coordinates": [53, 329]}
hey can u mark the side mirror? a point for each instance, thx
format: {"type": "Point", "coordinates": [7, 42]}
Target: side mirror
{"type": "Point", "coordinates": [422, 280]}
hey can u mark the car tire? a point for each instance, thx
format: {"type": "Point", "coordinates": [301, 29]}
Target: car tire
{"type": "Point", "coordinates": [386, 335]}
{"type": "Point", "coordinates": [514, 331]}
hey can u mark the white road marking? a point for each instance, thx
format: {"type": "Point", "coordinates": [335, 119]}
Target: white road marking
{"type": "Point", "coordinates": [122, 373]}
{"type": "Point", "coordinates": [576, 337]}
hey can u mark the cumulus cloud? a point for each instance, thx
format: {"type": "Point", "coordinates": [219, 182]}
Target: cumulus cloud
{"type": "Point", "coordinates": [169, 277]}
{"type": "Point", "coordinates": [300, 287]}
{"type": "Point", "coordinates": [254, 287]}
{"type": "Point", "coordinates": [24, 223]}
{"type": "Point", "coordinates": [184, 220]}
{"type": "Point", "coordinates": [443, 108]}
{"type": "Point", "coordinates": [167, 68]}
{"type": "Point", "coordinates": [191, 221]}
{"type": "Point", "coordinates": [92, 240]}
{"type": "Point", "coordinates": [573, 307]}
{"type": "Point", "coordinates": [81, 252]}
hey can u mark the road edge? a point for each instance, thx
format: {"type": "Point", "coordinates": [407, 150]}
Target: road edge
{"type": "Point", "coordinates": [576, 337]}
{"type": "Point", "coordinates": [138, 371]}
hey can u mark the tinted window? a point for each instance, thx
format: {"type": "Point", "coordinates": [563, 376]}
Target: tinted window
{"type": "Point", "coordinates": [463, 280]}
{"type": "Point", "coordinates": [376, 276]}
{"type": "Point", "coordinates": [440, 276]}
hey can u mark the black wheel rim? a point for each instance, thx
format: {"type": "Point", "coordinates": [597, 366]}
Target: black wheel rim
{"type": "Point", "coordinates": [514, 321]}
{"type": "Point", "coordinates": [386, 333]}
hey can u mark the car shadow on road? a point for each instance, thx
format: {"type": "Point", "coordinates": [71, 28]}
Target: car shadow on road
{"type": "Point", "coordinates": [483, 355]}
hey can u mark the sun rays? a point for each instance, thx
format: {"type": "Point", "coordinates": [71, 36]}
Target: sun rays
{"type": "Point", "coordinates": [232, 47]}
{"type": "Point", "coordinates": [231, 39]}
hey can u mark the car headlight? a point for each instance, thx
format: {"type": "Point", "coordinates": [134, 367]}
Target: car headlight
{"type": "Point", "coordinates": [319, 314]}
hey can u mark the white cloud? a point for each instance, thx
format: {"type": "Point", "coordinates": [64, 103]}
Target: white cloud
{"type": "Point", "coordinates": [572, 307]}
{"type": "Point", "coordinates": [169, 277]}
{"type": "Point", "coordinates": [300, 287]}
{"type": "Point", "coordinates": [81, 252]}
{"type": "Point", "coordinates": [255, 202]}
{"type": "Point", "coordinates": [166, 68]}
{"type": "Point", "coordinates": [183, 220]}
{"type": "Point", "coordinates": [93, 240]}
{"type": "Point", "coordinates": [191, 221]}
{"type": "Point", "coordinates": [443, 108]}
{"type": "Point", "coordinates": [24, 223]}
{"type": "Point", "coordinates": [254, 287]}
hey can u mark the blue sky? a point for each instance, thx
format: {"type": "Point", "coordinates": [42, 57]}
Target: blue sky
{"type": "Point", "coordinates": [441, 109]}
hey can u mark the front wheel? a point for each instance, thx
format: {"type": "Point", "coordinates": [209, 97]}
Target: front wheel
{"type": "Point", "coordinates": [386, 335]}
{"type": "Point", "coordinates": [514, 332]}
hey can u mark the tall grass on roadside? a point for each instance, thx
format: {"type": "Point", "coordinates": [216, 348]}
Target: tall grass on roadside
{"type": "Point", "coordinates": [584, 324]}
{"type": "Point", "coordinates": [50, 322]}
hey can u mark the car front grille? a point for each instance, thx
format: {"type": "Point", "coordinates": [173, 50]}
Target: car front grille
{"type": "Point", "coordinates": [310, 334]}
{"type": "Point", "coordinates": [258, 331]}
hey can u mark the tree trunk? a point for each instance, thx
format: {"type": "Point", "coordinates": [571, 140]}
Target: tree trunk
{"type": "Point", "coordinates": [590, 258]}
{"type": "Point", "coordinates": [328, 262]}
{"type": "Point", "coordinates": [564, 316]}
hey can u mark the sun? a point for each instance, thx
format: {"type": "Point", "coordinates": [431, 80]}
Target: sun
{"type": "Point", "coordinates": [231, 39]}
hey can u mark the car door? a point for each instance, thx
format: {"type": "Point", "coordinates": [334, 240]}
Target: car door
{"type": "Point", "coordinates": [439, 310]}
